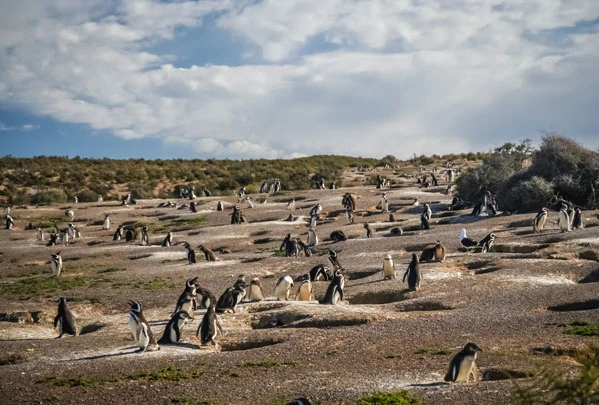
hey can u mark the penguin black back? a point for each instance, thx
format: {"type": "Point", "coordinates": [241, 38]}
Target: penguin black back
{"type": "Point", "coordinates": [65, 319]}
{"type": "Point", "coordinates": [334, 292]}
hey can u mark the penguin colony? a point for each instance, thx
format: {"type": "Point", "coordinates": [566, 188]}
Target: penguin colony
{"type": "Point", "coordinates": [462, 366]}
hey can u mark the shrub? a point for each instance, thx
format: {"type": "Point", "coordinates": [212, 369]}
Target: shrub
{"type": "Point", "coordinates": [49, 197]}
{"type": "Point", "coordinates": [526, 195]}
{"type": "Point", "coordinates": [87, 196]}
{"type": "Point", "coordinates": [402, 397]}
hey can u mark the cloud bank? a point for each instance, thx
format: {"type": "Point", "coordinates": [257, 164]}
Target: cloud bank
{"type": "Point", "coordinates": [363, 78]}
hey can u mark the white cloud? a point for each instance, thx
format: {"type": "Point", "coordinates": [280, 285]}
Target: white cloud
{"type": "Point", "coordinates": [406, 77]}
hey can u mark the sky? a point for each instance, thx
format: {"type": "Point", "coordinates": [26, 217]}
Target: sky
{"type": "Point", "coordinates": [281, 79]}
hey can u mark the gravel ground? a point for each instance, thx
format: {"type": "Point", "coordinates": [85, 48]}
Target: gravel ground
{"type": "Point", "coordinates": [380, 338]}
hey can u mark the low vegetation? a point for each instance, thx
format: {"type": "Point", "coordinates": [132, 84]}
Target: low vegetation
{"type": "Point", "coordinates": [555, 385]}
{"type": "Point", "coordinates": [389, 398]}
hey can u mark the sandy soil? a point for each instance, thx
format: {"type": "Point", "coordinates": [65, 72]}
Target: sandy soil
{"type": "Point", "coordinates": [380, 338]}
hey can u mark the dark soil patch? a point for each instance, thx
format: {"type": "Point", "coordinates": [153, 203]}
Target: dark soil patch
{"type": "Point", "coordinates": [575, 306]}
{"type": "Point", "coordinates": [10, 358]}
{"type": "Point", "coordinates": [357, 275]}
{"type": "Point", "coordinates": [252, 259]}
{"type": "Point", "coordinates": [516, 248]}
{"type": "Point", "coordinates": [277, 320]}
{"type": "Point", "coordinates": [259, 233]}
{"type": "Point", "coordinates": [377, 297]}
{"type": "Point", "coordinates": [264, 240]}
{"type": "Point", "coordinates": [249, 344]}
{"type": "Point", "coordinates": [475, 265]}
{"type": "Point", "coordinates": [295, 320]}
{"type": "Point", "coordinates": [497, 374]}
{"type": "Point", "coordinates": [555, 351]}
{"type": "Point", "coordinates": [589, 254]}
{"type": "Point", "coordinates": [136, 257]}
{"type": "Point", "coordinates": [94, 242]}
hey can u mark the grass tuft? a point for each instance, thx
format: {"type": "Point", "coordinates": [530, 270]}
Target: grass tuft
{"type": "Point", "coordinates": [389, 398]}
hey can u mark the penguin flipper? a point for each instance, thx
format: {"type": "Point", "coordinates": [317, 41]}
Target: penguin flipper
{"type": "Point", "coordinates": [56, 319]}
{"type": "Point", "coordinates": [406, 274]}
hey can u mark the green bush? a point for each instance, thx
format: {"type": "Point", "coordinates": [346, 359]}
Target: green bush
{"type": "Point", "coordinates": [389, 398]}
{"type": "Point", "coordinates": [49, 197]}
{"type": "Point", "coordinates": [526, 195]}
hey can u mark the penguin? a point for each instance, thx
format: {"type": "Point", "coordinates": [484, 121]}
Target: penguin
{"type": "Point", "coordinates": [413, 274]}
{"type": "Point", "coordinates": [256, 293]}
{"type": "Point", "coordinates": [564, 219]}
{"type": "Point", "coordinates": [391, 218]}
{"type": "Point", "coordinates": [118, 234]}
{"type": "Point", "coordinates": [463, 364]}
{"type": "Point", "coordinates": [320, 273]}
{"type": "Point", "coordinates": [427, 213]}
{"type": "Point", "coordinates": [191, 254]}
{"type": "Point", "coordinates": [388, 268]}
{"type": "Point", "coordinates": [428, 253]}
{"type": "Point", "coordinates": [440, 251]}
{"type": "Point", "coordinates": [577, 220]}
{"type": "Point", "coordinates": [276, 186]}
{"type": "Point", "coordinates": [142, 333]}
{"type": "Point", "coordinates": [240, 282]}
{"type": "Point", "coordinates": [348, 202]}
{"type": "Point", "coordinates": [129, 235]}
{"type": "Point", "coordinates": [312, 237]}
{"type": "Point", "coordinates": [487, 242]}
{"type": "Point", "coordinates": [174, 328]}
{"type": "Point", "coordinates": [106, 224]}
{"type": "Point", "coordinates": [304, 291]}
{"type": "Point", "coordinates": [249, 202]}
{"type": "Point", "coordinates": [283, 288]}
{"type": "Point", "coordinates": [65, 319]}
{"type": "Point", "coordinates": [40, 234]}
{"type": "Point", "coordinates": [56, 264]}
{"type": "Point", "coordinates": [424, 224]}
{"type": "Point", "coordinates": [291, 205]}
{"type": "Point", "coordinates": [210, 325]}
{"type": "Point", "coordinates": [334, 260]}
{"type": "Point", "coordinates": [208, 253]}
{"type": "Point", "coordinates": [314, 214]}
{"type": "Point", "coordinates": [384, 203]}
{"type": "Point", "coordinates": [368, 231]}
{"type": "Point", "coordinates": [192, 207]}
{"type": "Point", "coordinates": [187, 300]}
{"type": "Point", "coordinates": [263, 187]}
{"type": "Point", "coordinates": [53, 239]}
{"type": "Point", "coordinates": [9, 222]}
{"type": "Point", "coordinates": [466, 241]}
{"type": "Point", "coordinates": [229, 300]}
{"type": "Point", "coordinates": [338, 236]}
{"type": "Point", "coordinates": [477, 210]}
{"type": "Point", "coordinates": [168, 240]}
{"type": "Point", "coordinates": [396, 231]}
{"type": "Point", "coordinates": [70, 214]}
{"type": "Point", "coordinates": [334, 292]}
{"type": "Point", "coordinates": [290, 246]}
{"type": "Point", "coordinates": [220, 206]}
{"type": "Point", "coordinates": [144, 236]}
{"type": "Point", "coordinates": [539, 222]}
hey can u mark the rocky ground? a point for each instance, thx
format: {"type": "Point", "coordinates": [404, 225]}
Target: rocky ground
{"type": "Point", "coordinates": [513, 302]}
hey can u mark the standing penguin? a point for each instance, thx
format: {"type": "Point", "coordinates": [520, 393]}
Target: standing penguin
{"type": "Point", "coordinates": [145, 240]}
{"type": "Point", "coordinates": [168, 240]}
{"type": "Point", "coordinates": [564, 219]}
{"type": "Point", "coordinates": [106, 224]}
{"type": "Point", "coordinates": [220, 206]}
{"type": "Point", "coordinates": [291, 205]}
{"type": "Point", "coordinates": [283, 288]}
{"type": "Point", "coordinates": [9, 222]}
{"type": "Point", "coordinates": [539, 222]}
{"type": "Point", "coordinates": [70, 214]}
{"type": "Point", "coordinates": [256, 293]}
{"type": "Point", "coordinates": [304, 292]}
{"type": "Point", "coordinates": [56, 264]}
{"type": "Point", "coordinates": [413, 274]}
{"type": "Point", "coordinates": [142, 333]}
{"type": "Point", "coordinates": [334, 259]}
{"type": "Point", "coordinates": [314, 215]}
{"type": "Point", "coordinates": [210, 325]}
{"type": "Point", "coordinates": [229, 300]}
{"type": "Point", "coordinates": [208, 253]}
{"type": "Point", "coordinates": [191, 254]}
{"type": "Point", "coordinates": [334, 292]}
{"type": "Point", "coordinates": [368, 231]}
{"type": "Point", "coordinates": [174, 328]}
{"type": "Point", "coordinates": [487, 242]}
{"type": "Point", "coordinates": [424, 224]}
{"type": "Point", "coordinates": [118, 234]}
{"type": "Point", "coordinates": [65, 319]}
{"type": "Point", "coordinates": [384, 203]}
{"type": "Point", "coordinates": [463, 364]}
{"type": "Point", "coordinates": [187, 300]}
{"type": "Point", "coordinates": [440, 252]}
{"type": "Point", "coordinates": [312, 238]}
{"type": "Point", "coordinates": [320, 272]}
{"type": "Point", "coordinates": [388, 268]}
{"type": "Point", "coordinates": [427, 213]}
{"type": "Point", "coordinates": [40, 234]}
{"type": "Point", "coordinates": [577, 221]}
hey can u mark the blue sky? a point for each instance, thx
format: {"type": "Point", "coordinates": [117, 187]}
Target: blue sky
{"type": "Point", "coordinates": [249, 79]}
